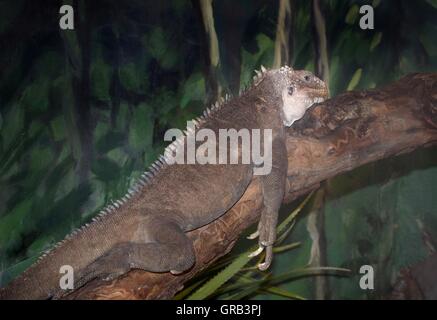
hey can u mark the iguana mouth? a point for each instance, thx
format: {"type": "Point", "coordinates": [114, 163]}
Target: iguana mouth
{"type": "Point", "coordinates": [322, 92]}
{"type": "Point", "coordinates": [320, 95]}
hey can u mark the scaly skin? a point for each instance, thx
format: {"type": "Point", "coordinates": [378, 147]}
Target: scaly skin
{"type": "Point", "coordinates": [146, 228]}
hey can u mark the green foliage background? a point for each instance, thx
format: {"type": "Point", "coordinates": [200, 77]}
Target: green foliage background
{"type": "Point", "coordinates": [83, 112]}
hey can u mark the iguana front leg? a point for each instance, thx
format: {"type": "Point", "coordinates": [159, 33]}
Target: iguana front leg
{"type": "Point", "coordinates": [273, 188]}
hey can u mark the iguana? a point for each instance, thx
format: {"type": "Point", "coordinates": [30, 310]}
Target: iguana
{"type": "Point", "coordinates": [146, 228]}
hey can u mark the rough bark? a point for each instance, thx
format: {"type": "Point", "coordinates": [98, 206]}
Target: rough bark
{"type": "Point", "coordinates": [337, 136]}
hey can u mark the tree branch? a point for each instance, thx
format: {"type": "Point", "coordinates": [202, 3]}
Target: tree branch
{"type": "Point", "coordinates": [337, 136]}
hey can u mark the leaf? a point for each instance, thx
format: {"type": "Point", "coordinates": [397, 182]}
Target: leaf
{"type": "Point", "coordinates": [165, 102]}
{"type": "Point", "coordinates": [118, 155]}
{"type": "Point", "coordinates": [35, 96]}
{"type": "Point", "coordinates": [193, 89]}
{"type": "Point", "coordinates": [100, 79]}
{"type": "Point", "coordinates": [252, 61]}
{"type": "Point", "coordinates": [96, 200]}
{"type": "Point", "coordinates": [244, 292]}
{"type": "Point", "coordinates": [407, 61]}
{"type": "Point", "coordinates": [123, 117]}
{"type": "Point", "coordinates": [15, 150]}
{"type": "Point", "coordinates": [9, 274]}
{"type": "Point", "coordinates": [286, 247]}
{"type": "Point", "coordinates": [109, 141]}
{"type": "Point", "coordinates": [13, 125]}
{"type": "Point", "coordinates": [355, 80]}
{"type": "Point", "coordinates": [102, 129]}
{"type": "Point", "coordinates": [39, 245]}
{"type": "Point", "coordinates": [375, 41]}
{"type": "Point", "coordinates": [227, 273]}
{"type": "Point", "coordinates": [131, 78]}
{"type": "Point", "coordinates": [58, 128]}
{"type": "Point", "coordinates": [50, 64]}
{"type": "Point", "coordinates": [41, 158]}
{"type": "Point", "coordinates": [62, 175]}
{"type": "Point", "coordinates": [352, 14]}
{"type": "Point", "coordinates": [295, 212]}
{"type": "Point", "coordinates": [283, 293]}
{"type": "Point", "coordinates": [141, 128]}
{"type": "Point", "coordinates": [291, 275]}
{"type": "Point", "coordinates": [159, 45]}
{"type": "Point", "coordinates": [427, 38]}
{"type": "Point", "coordinates": [12, 224]}
{"type": "Point", "coordinates": [106, 169]}
{"type": "Point", "coordinates": [375, 3]}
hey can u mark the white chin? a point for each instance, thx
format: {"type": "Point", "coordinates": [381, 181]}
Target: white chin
{"type": "Point", "coordinates": [288, 123]}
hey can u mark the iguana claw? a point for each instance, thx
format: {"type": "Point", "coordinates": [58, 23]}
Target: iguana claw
{"type": "Point", "coordinates": [253, 235]}
{"type": "Point", "coordinates": [268, 259]}
{"type": "Point", "coordinates": [256, 252]}
{"type": "Point", "coordinates": [176, 272]}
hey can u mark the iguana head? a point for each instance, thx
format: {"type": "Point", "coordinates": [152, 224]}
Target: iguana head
{"type": "Point", "coordinates": [299, 90]}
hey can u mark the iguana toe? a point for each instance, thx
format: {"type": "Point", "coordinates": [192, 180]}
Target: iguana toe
{"type": "Point", "coordinates": [253, 235]}
{"type": "Point", "coordinates": [256, 252]}
{"type": "Point", "coordinates": [268, 259]}
{"type": "Point", "coordinates": [176, 272]}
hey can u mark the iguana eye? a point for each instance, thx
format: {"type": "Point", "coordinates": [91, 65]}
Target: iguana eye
{"type": "Point", "coordinates": [290, 90]}
{"type": "Point", "coordinates": [307, 78]}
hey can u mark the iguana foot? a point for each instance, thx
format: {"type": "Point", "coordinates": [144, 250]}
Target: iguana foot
{"type": "Point", "coordinates": [109, 266]}
{"type": "Point", "coordinates": [267, 236]}
{"type": "Point", "coordinates": [176, 257]}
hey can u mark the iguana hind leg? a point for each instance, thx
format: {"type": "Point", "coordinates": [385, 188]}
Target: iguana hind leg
{"type": "Point", "coordinates": [160, 246]}
{"type": "Point", "coordinates": [167, 249]}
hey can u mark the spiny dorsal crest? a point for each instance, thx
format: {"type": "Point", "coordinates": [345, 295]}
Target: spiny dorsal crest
{"type": "Point", "coordinates": [261, 74]}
